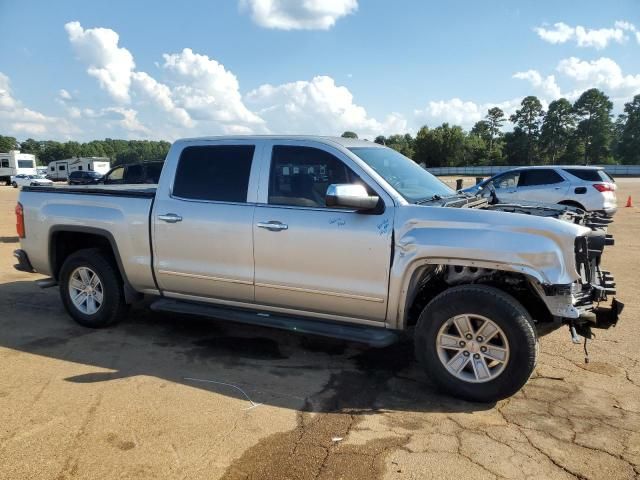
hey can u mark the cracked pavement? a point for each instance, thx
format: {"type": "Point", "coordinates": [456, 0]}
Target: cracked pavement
{"type": "Point", "coordinates": [118, 403]}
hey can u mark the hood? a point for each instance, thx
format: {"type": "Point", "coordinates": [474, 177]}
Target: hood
{"type": "Point", "coordinates": [541, 247]}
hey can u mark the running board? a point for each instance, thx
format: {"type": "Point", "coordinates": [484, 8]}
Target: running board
{"type": "Point", "coordinates": [373, 336]}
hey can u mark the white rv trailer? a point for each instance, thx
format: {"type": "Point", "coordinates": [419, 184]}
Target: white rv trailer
{"type": "Point", "coordinates": [15, 163]}
{"type": "Point", "coordinates": [60, 169]}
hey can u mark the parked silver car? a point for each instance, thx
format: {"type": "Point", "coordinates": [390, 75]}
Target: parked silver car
{"type": "Point", "coordinates": [588, 188]}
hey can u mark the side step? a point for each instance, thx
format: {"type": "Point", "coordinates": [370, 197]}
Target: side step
{"type": "Point", "coordinates": [373, 336]}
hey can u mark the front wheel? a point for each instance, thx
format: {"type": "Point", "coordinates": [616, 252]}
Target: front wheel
{"type": "Point", "coordinates": [91, 289]}
{"type": "Point", "coordinates": [14, 185]}
{"type": "Point", "coordinates": [476, 342]}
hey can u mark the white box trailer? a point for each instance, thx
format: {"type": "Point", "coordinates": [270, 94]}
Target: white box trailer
{"type": "Point", "coordinates": [60, 169]}
{"type": "Point", "coordinates": [15, 163]}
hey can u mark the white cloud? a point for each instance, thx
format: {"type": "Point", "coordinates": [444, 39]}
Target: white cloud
{"type": "Point", "coordinates": [586, 37]}
{"type": "Point", "coordinates": [207, 90]}
{"type": "Point", "coordinates": [162, 96]}
{"type": "Point", "coordinates": [547, 86]}
{"type": "Point", "coordinates": [602, 73]}
{"type": "Point", "coordinates": [460, 112]}
{"type": "Point", "coordinates": [64, 95]}
{"type": "Point", "coordinates": [109, 63]}
{"type": "Point", "coordinates": [317, 106]}
{"type": "Point", "coordinates": [298, 14]}
{"type": "Point", "coordinates": [16, 119]}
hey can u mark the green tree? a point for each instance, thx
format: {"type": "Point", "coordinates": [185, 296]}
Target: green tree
{"type": "Point", "coordinates": [443, 146]}
{"type": "Point", "coordinates": [557, 129]}
{"type": "Point", "coordinates": [595, 129]}
{"type": "Point", "coordinates": [528, 119]}
{"type": "Point", "coordinates": [629, 141]}
{"type": "Point", "coordinates": [495, 119]}
{"type": "Point", "coordinates": [349, 134]}
{"type": "Point", "coordinates": [402, 143]}
{"type": "Point", "coordinates": [8, 143]}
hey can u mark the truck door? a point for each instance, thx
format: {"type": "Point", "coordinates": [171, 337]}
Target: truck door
{"type": "Point", "coordinates": [203, 223]}
{"type": "Point", "coordinates": [310, 257]}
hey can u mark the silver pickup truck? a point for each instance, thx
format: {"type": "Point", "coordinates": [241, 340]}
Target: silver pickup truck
{"type": "Point", "coordinates": [327, 236]}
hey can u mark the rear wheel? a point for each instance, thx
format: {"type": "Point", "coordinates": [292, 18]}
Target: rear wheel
{"type": "Point", "coordinates": [14, 185]}
{"type": "Point", "coordinates": [476, 342]}
{"type": "Point", "coordinates": [91, 289]}
{"type": "Point", "coordinates": [571, 203]}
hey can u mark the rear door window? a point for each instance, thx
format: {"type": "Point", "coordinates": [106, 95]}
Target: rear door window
{"type": "Point", "coordinates": [134, 174]}
{"type": "Point", "coordinates": [214, 173]}
{"type": "Point", "coordinates": [590, 175]}
{"type": "Point", "coordinates": [539, 176]}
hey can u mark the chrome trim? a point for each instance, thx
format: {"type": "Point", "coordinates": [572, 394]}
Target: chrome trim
{"type": "Point", "coordinates": [204, 277]}
{"type": "Point", "coordinates": [170, 218]}
{"type": "Point", "coordinates": [273, 226]}
{"type": "Point", "coordinates": [321, 292]}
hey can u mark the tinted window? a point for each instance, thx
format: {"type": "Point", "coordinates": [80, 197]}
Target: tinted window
{"type": "Point", "coordinates": [116, 175]}
{"type": "Point", "coordinates": [5, 163]}
{"type": "Point", "coordinates": [75, 174]}
{"type": "Point", "coordinates": [300, 176]}
{"type": "Point", "coordinates": [62, 168]}
{"type": "Point", "coordinates": [25, 163]}
{"type": "Point", "coordinates": [590, 175]}
{"type": "Point", "coordinates": [506, 180]}
{"type": "Point", "coordinates": [541, 176]}
{"type": "Point", "coordinates": [134, 174]}
{"type": "Point", "coordinates": [216, 172]}
{"type": "Point", "coordinates": [153, 172]}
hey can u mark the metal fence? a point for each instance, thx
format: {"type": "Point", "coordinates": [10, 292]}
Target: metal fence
{"type": "Point", "coordinates": [485, 171]}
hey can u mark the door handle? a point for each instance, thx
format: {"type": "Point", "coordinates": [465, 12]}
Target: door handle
{"type": "Point", "coordinates": [273, 226]}
{"type": "Point", "coordinates": [170, 218]}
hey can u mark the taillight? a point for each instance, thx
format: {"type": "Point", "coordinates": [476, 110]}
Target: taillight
{"type": "Point", "coordinates": [20, 220]}
{"type": "Point", "coordinates": [604, 187]}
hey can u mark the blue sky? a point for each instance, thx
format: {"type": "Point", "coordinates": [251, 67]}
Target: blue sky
{"type": "Point", "coordinates": [148, 69]}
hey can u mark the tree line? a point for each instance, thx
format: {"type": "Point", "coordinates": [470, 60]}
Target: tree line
{"type": "Point", "coordinates": [583, 132]}
{"type": "Point", "coordinates": [579, 133]}
{"type": "Point", "coordinates": [118, 151]}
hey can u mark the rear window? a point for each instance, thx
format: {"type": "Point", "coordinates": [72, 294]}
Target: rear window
{"type": "Point", "coordinates": [542, 176]}
{"type": "Point", "coordinates": [590, 175]}
{"type": "Point", "coordinates": [215, 173]}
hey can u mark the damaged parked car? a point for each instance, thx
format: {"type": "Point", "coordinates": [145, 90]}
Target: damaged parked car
{"type": "Point", "coordinates": [327, 236]}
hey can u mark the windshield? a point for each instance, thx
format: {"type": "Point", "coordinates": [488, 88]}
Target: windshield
{"type": "Point", "coordinates": [409, 179]}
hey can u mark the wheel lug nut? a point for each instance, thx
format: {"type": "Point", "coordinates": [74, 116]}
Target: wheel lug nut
{"type": "Point", "coordinates": [476, 356]}
{"type": "Point", "coordinates": [466, 354]}
{"type": "Point", "coordinates": [480, 339]}
{"type": "Point", "coordinates": [469, 336]}
{"type": "Point", "coordinates": [483, 349]}
{"type": "Point", "coordinates": [462, 343]}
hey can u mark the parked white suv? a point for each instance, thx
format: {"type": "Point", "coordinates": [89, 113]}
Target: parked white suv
{"type": "Point", "coordinates": [588, 188]}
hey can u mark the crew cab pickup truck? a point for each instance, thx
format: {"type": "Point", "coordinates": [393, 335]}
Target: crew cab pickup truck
{"type": "Point", "coordinates": [327, 236]}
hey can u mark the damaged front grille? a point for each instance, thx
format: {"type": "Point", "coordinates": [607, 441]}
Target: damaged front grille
{"type": "Point", "coordinates": [583, 262]}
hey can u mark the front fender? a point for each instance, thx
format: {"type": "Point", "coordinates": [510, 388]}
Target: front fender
{"type": "Point", "coordinates": [540, 248]}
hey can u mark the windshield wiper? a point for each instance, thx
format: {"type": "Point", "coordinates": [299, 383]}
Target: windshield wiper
{"type": "Point", "coordinates": [433, 198]}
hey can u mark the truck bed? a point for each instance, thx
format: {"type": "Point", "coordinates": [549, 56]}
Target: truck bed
{"type": "Point", "coordinates": [137, 191]}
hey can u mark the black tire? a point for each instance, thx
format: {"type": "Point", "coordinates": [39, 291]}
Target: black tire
{"type": "Point", "coordinates": [113, 307]}
{"type": "Point", "coordinates": [503, 310]}
{"type": "Point", "coordinates": [14, 185]}
{"type": "Point", "coordinates": [571, 203]}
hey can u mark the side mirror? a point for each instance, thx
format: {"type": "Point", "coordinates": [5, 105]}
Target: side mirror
{"type": "Point", "coordinates": [350, 196]}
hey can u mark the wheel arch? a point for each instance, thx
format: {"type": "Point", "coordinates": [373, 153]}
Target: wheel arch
{"type": "Point", "coordinates": [65, 240]}
{"type": "Point", "coordinates": [423, 283]}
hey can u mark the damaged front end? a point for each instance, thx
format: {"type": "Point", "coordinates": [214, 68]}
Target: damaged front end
{"type": "Point", "coordinates": [583, 305]}
{"type": "Point", "coordinates": [595, 287]}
